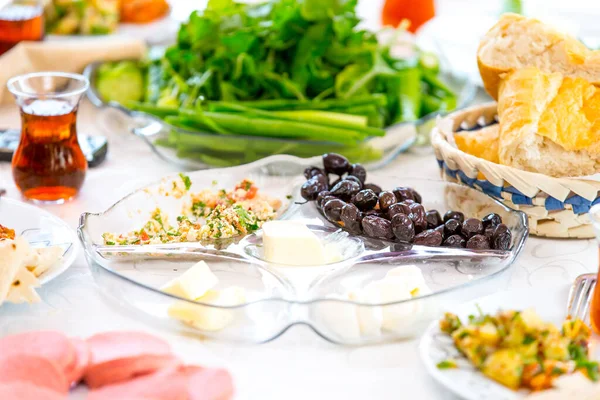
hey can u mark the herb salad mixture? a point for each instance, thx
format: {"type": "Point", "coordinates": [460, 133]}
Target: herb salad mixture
{"type": "Point", "coordinates": [299, 72]}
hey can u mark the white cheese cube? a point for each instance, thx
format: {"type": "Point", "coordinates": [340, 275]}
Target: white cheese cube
{"type": "Point", "coordinates": [292, 243]}
{"type": "Point", "coordinates": [206, 317]}
{"type": "Point", "coordinates": [193, 283]}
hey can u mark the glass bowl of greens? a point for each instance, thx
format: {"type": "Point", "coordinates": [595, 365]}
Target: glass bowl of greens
{"type": "Point", "coordinates": [279, 78]}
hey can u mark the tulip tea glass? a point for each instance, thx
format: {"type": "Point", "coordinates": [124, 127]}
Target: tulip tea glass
{"type": "Point", "coordinates": [48, 165]}
{"type": "Point", "coordinates": [20, 20]}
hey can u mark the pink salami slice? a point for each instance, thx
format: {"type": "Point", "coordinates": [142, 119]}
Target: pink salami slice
{"type": "Point", "coordinates": [36, 370]}
{"type": "Point", "coordinates": [55, 346]}
{"type": "Point", "coordinates": [28, 391]}
{"type": "Point", "coordinates": [118, 356]}
{"type": "Point", "coordinates": [167, 384]}
{"type": "Point", "coordinates": [82, 359]}
{"type": "Point", "coordinates": [211, 384]}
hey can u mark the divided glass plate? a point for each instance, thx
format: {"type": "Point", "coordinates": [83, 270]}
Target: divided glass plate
{"type": "Point", "coordinates": [279, 296]}
{"type": "Point", "coordinates": [210, 150]}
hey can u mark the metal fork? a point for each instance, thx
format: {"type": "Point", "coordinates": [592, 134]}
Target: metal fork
{"type": "Point", "coordinates": [580, 297]}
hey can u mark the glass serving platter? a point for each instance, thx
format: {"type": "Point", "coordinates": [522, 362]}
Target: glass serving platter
{"type": "Point", "coordinates": [214, 152]}
{"type": "Point", "coordinates": [279, 296]}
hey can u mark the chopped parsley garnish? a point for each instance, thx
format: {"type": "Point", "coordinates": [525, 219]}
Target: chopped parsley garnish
{"type": "Point", "coordinates": [186, 181]}
{"type": "Point", "coordinates": [247, 219]}
{"type": "Point", "coordinates": [110, 243]}
{"type": "Point", "coordinates": [289, 197]}
{"type": "Point", "coordinates": [447, 364]}
{"type": "Point", "coordinates": [528, 339]}
{"type": "Point", "coordinates": [198, 207]}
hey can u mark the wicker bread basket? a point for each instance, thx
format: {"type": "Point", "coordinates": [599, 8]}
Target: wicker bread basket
{"type": "Point", "coordinates": [556, 207]}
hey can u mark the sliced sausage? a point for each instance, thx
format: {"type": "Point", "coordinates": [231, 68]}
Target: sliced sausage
{"type": "Point", "coordinates": [110, 372]}
{"type": "Point", "coordinates": [55, 346]}
{"type": "Point", "coordinates": [28, 391]}
{"type": "Point", "coordinates": [211, 384]}
{"type": "Point", "coordinates": [82, 359]}
{"type": "Point", "coordinates": [118, 356]}
{"type": "Point", "coordinates": [36, 370]}
{"type": "Point", "coordinates": [167, 384]}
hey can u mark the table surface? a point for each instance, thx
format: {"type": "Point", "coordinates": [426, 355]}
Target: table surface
{"type": "Point", "coordinates": [299, 364]}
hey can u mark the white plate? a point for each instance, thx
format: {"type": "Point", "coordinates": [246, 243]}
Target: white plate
{"type": "Point", "coordinates": [466, 381]}
{"type": "Point", "coordinates": [41, 229]}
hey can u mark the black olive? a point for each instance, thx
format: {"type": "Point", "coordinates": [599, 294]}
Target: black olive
{"type": "Point", "coordinates": [403, 193]}
{"type": "Point", "coordinates": [374, 212]}
{"type": "Point", "coordinates": [345, 189]}
{"type": "Point", "coordinates": [455, 241]}
{"type": "Point", "coordinates": [373, 187]}
{"type": "Point", "coordinates": [403, 228]}
{"type": "Point", "coordinates": [311, 188]}
{"type": "Point", "coordinates": [351, 217]}
{"type": "Point", "coordinates": [333, 208]}
{"type": "Point", "coordinates": [321, 196]}
{"type": "Point", "coordinates": [452, 227]}
{"type": "Point", "coordinates": [335, 182]}
{"type": "Point", "coordinates": [417, 215]}
{"type": "Point", "coordinates": [365, 200]}
{"type": "Point", "coordinates": [478, 242]}
{"type": "Point", "coordinates": [457, 215]}
{"type": "Point", "coordinates": [398, 208]}
{"type": "Point", "coordinates": [491, 220]}
{"type": "Point", "coordinates": [313, 171]}
{"type": "Point", "coordinates": [323, 179]}
{"type": "Point", "coordinates": [359, 171]}
{"type": "Point", "coordinates": [489, 232]}
{"type": "Point", "coordinates": [335, 164]}
{"type": "Point", "coordinates": [502, 238]}
{"type": "Point", "coordinates": [429, 237]}
{"type": "Point", "coordinates": [377, 227]}
{"type": "Point", "coordinates": [325, 200]}
{"type": "Point", "coordinates": [440, 229]}
{"type": "Point", "coordinates": [416, 196]}
{"type": "Point", "coordinates": [354, 179]}
{"type": "Point", "coordinates": [471, 227]}
{"type": "Point", "coordinates": [433, 219]}
{"type": "Point", "coordinates": [386, 199]}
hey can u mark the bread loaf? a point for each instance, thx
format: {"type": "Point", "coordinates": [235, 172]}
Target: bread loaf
{"type": "Point", "coordinates": [482, 143]}
{"type": "Point", "coordinates": [517, 42]}
{"type": "Point", "coordinates": [549, 123]}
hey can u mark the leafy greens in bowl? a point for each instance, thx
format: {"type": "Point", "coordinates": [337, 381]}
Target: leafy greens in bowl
{"type": "Point", "coordinates": [293, 71]}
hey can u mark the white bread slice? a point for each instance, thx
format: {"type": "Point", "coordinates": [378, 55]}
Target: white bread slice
{"type": "Point", "coordinates": [516, 42]}
{"type": "Point", "coordinates": [549, 123]}
{"type": "Point", "coordinates": [482, 143]}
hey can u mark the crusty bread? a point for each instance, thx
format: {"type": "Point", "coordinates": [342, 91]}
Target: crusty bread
{"type": "Point", "coordinates": [549, 123]}
{"type": "Point", "coordinates": [516, 42]}
{"type": "Point", "coordinates": [482, 143]}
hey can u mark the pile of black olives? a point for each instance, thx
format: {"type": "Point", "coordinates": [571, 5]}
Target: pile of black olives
{"type": "Point", "coordinates": [397, 215]}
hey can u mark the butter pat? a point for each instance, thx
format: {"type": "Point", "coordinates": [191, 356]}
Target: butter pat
{"type": "Point", "coordinates": [206, 317]}
{"type": "Point", "coordinates": [292, 243]}
{"type": "Point", "coordinates": [193, 283]}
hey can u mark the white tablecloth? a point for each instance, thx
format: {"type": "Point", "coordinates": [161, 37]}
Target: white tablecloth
{"type": "Point", "coordinates": [298, 365]}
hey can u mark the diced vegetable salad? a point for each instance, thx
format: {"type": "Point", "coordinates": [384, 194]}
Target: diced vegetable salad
{"type": "Point", "coordinates": [299, 72]}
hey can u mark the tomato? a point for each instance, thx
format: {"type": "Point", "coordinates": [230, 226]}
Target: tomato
{"type": "Point", "coordinates": [416, 11]}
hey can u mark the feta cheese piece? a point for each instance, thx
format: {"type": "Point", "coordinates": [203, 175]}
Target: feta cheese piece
{"type": "Point", "coordinates": [206, 317]}
{"type": "Point", "coordinates": [338, 317]}
{"type": "Point", "coordinates": [292, 243]}
{"type": "Point", "coordinates": [193, 283]}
